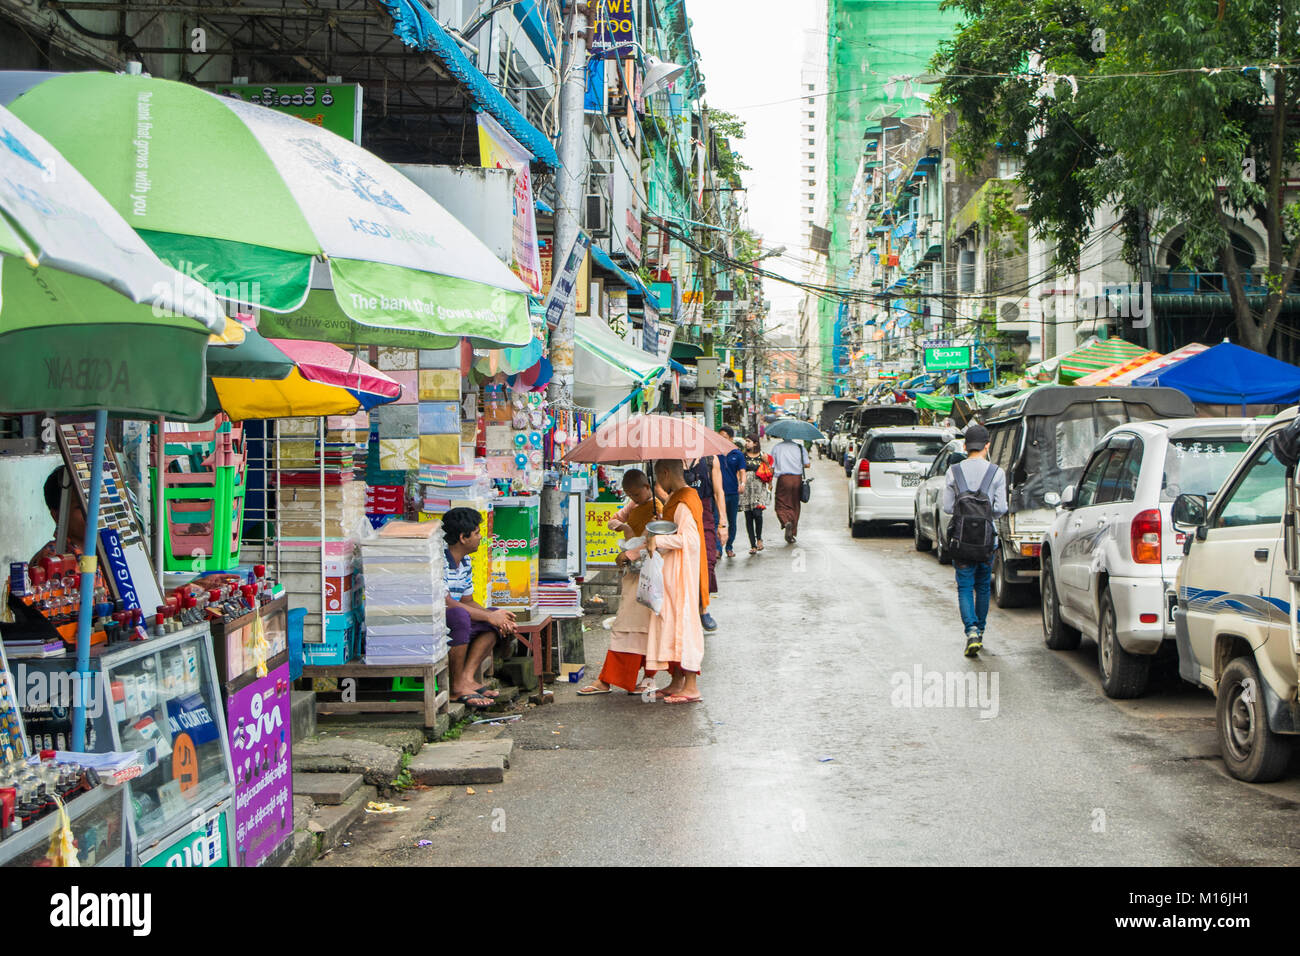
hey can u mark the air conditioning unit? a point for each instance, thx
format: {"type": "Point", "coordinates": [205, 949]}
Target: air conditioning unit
{"type": "Point", "coordinates": [1014, 314]}
{"type": "Point", "coordinates": [594, 220]}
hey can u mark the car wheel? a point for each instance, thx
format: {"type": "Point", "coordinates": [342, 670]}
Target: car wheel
{"type": "Point", "coordinates": [1251, 751]}
{"type": "Point", "coordinates": [1057, 635]}
{"type": "Point", "coordinates": [919, 540]}
{"type": "Point", "coordinates": [940, 551]}
{"type": "Point", "coordinates": [1006, 594]}
{"type": "Point", "coordinates": [859, 529]}
{"type": "Point", "coordinates": [1123, 675]}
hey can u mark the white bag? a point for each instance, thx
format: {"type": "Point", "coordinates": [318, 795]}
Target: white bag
{"type": "Point", "coordinates": [650, 587]}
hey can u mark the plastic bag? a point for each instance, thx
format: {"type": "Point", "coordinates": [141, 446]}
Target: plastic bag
{"type": "Point", "coordinates": [650, 587]}
{"type": "Point", "coordinates": [63, 849]}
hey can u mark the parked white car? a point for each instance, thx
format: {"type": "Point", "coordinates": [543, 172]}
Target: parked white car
{"type": "Point", "coordinates": [1237, 592]}
{"type": "Point", "coordinates": [1110, 557]}
{"type": "Point", "coordinates": [930, 524]}
{"type": "Point", "coordinates": [888, 471]}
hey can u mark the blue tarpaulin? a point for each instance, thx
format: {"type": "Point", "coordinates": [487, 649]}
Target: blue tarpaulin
{"type": "Point", "coordinates": [415, 26]}
{"type": "Point", "coordinates": [1230, 375]}
{"type": "Point", "coordinates": [975, 376]}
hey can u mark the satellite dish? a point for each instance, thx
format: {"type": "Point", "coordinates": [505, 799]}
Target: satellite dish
{"type": "Point", "coordinates": [659, 73]}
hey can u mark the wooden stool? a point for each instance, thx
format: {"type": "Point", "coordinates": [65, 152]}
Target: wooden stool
{"type": "Point", "coordinates": [538, 635]}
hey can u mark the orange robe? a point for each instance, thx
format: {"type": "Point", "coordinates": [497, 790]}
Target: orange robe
{"type": "Point", "coordinates": [676, 636]}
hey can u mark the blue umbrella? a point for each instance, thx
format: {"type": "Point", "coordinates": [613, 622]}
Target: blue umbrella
{"type": "Point", "coordinates": [795, 430]}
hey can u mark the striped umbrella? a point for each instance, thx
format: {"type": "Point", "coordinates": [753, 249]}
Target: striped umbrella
{"type": "Point", "coordinates": [1097, 356]}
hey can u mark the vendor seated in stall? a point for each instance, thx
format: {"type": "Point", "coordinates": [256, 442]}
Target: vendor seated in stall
{"type": "Point", "coordinates": [76, 517]}
{"type": "Point", "coordinates": [473, 630]}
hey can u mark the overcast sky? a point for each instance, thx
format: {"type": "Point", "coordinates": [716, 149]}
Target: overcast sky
{"type": "Point", "coordinates": [751, 54]}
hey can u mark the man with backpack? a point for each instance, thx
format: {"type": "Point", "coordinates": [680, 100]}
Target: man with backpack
{"type": "Point", "coordinates": [974, 493]}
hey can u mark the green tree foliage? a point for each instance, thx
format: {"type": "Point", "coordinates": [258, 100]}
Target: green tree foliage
{"type": "Point", "coordinates": [1157, 123]}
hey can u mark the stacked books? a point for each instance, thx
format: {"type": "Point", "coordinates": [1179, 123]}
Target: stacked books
{"type": "Point", "coordinates": [559, 599]}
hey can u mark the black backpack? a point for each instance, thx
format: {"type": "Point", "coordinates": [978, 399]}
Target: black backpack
{"type": "Point", "coordinates": [971, 534]}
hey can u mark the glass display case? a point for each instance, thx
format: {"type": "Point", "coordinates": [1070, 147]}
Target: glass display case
{"type": "Point", "coordinates": [97, 829]}
{"type": "Point", "coordinates": [160, 697]}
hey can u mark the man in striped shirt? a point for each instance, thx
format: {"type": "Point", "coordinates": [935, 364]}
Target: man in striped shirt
{"type": "Point", "coordinates": [472, 629]}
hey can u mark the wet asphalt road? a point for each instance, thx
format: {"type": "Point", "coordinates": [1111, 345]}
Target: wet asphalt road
{"type": "Point", "coordinates": [816, 657]}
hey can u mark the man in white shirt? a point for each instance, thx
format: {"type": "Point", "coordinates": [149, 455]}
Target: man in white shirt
{"type": "Point", "coordinates": [789, 461]}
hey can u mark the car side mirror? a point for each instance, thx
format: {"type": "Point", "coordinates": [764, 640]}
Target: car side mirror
{"type": "Point", "coordinates": [1189, 513]}
{"type": "Point", "coordinates": [1052, 498]}
{"type": "Point", "coordinates": [1066, 499]}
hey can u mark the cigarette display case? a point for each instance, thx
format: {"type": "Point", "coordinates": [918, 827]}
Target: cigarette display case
{"type": "Point", "coordinates": [160, 697]}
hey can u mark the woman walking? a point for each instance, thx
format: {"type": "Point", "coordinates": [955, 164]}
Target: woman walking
{"type": "Point", "coordinates": [756, 492]}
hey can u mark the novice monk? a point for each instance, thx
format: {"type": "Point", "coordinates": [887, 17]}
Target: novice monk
{"type": "Point", "coordinates": [626, 655]}
{"type": "Point", "coordinates": [675, 640]}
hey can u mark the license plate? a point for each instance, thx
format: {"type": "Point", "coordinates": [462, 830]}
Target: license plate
{"type": "Point", "coordinates": [911, 481]}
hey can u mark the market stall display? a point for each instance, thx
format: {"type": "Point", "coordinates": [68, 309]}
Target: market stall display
{"type": "Point", "coordinates": [160, 697]}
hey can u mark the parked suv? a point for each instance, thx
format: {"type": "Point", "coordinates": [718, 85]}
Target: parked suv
{"type": "Point", "coordinates": [1235, 621]}
{"type": "Point", "coordinates": [1109, 559]}
{"type": "Point", "coordinates": [930, 524]}
{"type": "Point", "coordinates": [1042, 439]}
{"type": "Point", "coordinates": [861, 419]}
{"type": "Point", "coordinates": [887, 472]}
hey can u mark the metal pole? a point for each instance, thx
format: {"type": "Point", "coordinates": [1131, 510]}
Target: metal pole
{"type": "Point", "coordinates": [554, 549]}
{"type": "Point", "coordinates": [159, 518]}
{"type": "Point", "coordinates": [88, 562]}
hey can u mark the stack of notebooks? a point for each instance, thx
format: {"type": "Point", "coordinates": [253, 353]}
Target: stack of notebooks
{"type": "Point", "coordinates": [300, 497]}
{"type": "Point", "coordinates": [36, 647]}
{"type": "Point", "coordinates": [559, 598]}
{"type": "Point", "coordinates": [405, 594]}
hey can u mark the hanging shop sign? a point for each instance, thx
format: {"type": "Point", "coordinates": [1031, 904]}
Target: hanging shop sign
{"type": "Point", "coordinates": [614, 27]}
{"type": "Point", "coordinates": [499, 150]}
{"type": "Point", "coordinates": [603, 544]}
{"type": "Point", "coordinates": [332, 106]}
{"type": "Point", "coordinates": [951, 358]}
{"type": "Point", "coordinates": [617, 317]}
{"type": "Point", "coordinates": [562, 289]}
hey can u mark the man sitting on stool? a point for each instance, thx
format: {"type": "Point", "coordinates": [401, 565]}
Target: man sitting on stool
{"type": "Point", "coordinates": [472, 629]}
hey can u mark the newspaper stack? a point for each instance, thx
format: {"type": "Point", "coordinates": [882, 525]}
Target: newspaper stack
{"type": "Point", "coordinates": [405, 594]}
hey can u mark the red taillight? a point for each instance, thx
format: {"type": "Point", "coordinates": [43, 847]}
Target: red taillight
{"type": "Point", "coordinates": [1148, 618]}
{"type": "Point", "coordinates": [1144, 536]}
{"type": "Point", "coordinates": [864, 474]}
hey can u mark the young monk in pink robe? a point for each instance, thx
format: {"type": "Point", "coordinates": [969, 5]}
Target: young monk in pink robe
{"type": "Point", "coordinates": [675, 640]}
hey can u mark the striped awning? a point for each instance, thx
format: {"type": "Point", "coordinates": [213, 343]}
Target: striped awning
{"type": "Point", "coordinates": [1107, 375]}
{"type": "Point", "coordinates": [1097, 356]}
{"type": "Point", "coordinates": [1125, 373]}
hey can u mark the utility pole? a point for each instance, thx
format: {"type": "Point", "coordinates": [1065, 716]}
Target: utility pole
{"type": "Point", "coordinates": [554, 548]}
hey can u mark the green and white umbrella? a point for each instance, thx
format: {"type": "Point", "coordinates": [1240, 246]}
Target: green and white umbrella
{"type": "Point", "coordinates": [89, 316]}
{"type": "Point", "coordinates": [245, 199]}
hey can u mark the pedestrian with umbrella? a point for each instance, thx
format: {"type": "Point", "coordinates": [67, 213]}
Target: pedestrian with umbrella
{"type": "Point", "coordinates": [789, 462]}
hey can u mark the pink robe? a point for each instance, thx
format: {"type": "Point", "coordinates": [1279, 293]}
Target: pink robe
{"type": "Point", "coordinates": [676, 635]}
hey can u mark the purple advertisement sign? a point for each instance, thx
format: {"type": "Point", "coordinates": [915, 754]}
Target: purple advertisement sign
{"type": "Point", "coordinates": [257, 720]}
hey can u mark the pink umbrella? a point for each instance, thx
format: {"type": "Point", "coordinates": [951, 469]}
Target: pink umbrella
{"type": "Point", "coordinates": [648, 437]}
{"type": "Point", "coordinates": [327, 364]}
